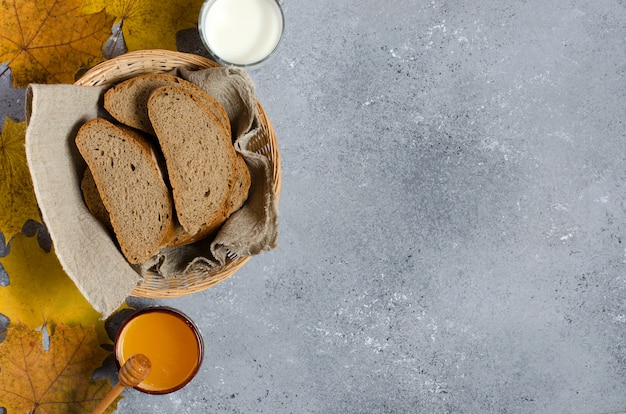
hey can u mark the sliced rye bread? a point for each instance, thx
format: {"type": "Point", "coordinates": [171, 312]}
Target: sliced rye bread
{"type": "Point", "coordinates": [233, 88]}
{"type": "Point", "coordinates": [242, 185]}
{"type": "Point", "coordinates": [93, 200]}
{"type": "Point", "coordinates": [237, 199]}
{"type": "Point", "coordinates": [127, 101]}
{"type": "Point", "coordinates": [126, 173]}
{"type": "Point", "coordinates": [201, 161]}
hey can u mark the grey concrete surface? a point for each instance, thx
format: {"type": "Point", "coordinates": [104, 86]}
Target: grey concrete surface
{"type": "Point", "coordinates": [453, 218]}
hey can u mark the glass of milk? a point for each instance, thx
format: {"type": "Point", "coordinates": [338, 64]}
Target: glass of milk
{"type": "Point", "coordinates": [241, 32]}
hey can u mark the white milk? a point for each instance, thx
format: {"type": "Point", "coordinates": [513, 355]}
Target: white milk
{"type": "Point", "coordinates": [241, 32]}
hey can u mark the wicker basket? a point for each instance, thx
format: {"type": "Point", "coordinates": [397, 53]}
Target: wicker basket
{"type": "Point", "coordinates": [157, 61]}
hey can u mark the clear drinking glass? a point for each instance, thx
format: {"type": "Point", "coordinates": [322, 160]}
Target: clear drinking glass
{"type": "Point", "coordinates": [241, 32]}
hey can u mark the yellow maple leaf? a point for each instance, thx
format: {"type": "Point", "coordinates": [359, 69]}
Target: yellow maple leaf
{"type": "Point", "coordinates": [40, 292]}
{"type": "Point", "coordinates": [149, 24]}
{"type": "Point", "coordinates": [49, 41]}
{"type": "Point", "coordinates": [33, 380]}
{"type": "Point", "coordinates": [17, 197]}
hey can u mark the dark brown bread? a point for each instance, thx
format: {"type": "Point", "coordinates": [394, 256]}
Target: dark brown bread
{"type": "Point", "coordinates": [201, 162]}
{"type": "Point", "coordinates": [242, 185]}
{"type": "Point", "coordinates": [93, 200]}
{"type": "Point", "coordinates": [131, 186]}
{"type": "Point", "coordinates": [237, 199]}
{"type": "Point", "coordinates": [127, 101]}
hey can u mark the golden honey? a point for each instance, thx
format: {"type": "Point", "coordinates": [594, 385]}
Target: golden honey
{"type": "Point", "coordinates": [169, 339]}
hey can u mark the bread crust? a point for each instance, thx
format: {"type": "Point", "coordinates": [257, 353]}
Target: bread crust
{"type": "Point", "coordinates": [93, 200]}
{"type": "Point", "coordinates": [131, 186]}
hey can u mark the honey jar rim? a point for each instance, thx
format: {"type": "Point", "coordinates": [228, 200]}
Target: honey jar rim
{"type": "Point", "coordinates": [183, 317]}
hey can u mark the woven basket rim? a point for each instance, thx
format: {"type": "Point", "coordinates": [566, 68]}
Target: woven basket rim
{"type": "Point", "coordinates": [140, 62]}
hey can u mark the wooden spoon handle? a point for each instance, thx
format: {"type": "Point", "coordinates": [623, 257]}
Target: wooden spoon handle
{"type": "Point", "coordinates": [134, 370]}
{"type": "Point", "coordinates": [108, 399]}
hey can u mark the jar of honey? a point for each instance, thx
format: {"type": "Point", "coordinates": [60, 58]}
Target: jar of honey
{"type": "Point", "coordinates": [170, 340]}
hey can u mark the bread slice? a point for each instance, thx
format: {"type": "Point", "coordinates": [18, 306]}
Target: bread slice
{"type": "Point", "coordinates": [238, 197]}
{"type": "Point", "coordinates": [200, 158]}
{"type": "Point", "coordinates": [93, 200]}
{"type": "Point", "coordinates": [242, 186]}
{"type": "Point", "coordinates": [127, 101]}
{"type": "Point", "coordinates": [132, 188]}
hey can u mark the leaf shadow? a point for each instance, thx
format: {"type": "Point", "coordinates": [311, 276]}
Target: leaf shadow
{"type": "Point", "coordinates": [34, 228]}
{"type": "Point", "coordinates": [5, 248]}
{"type": "Point", "coordinates": [189, 41]}
{"type": "Point", "coordinates": [4, 325]}
{"type": "Point", "coordinates": [12, 103]}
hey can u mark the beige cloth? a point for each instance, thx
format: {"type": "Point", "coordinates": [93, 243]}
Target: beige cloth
{"type": "Point", "coordinates": [85, 249]}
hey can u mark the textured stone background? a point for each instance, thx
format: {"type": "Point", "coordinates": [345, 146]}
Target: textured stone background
{"type": "Point", "coordinates": [453, 217]}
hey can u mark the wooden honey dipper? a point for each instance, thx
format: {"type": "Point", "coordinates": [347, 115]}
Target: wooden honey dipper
{"type": "Point", "coordinates": [135, 369]}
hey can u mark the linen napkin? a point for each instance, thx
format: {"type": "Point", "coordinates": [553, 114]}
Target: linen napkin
{"type": "Point", "coordinates": [83, 246]}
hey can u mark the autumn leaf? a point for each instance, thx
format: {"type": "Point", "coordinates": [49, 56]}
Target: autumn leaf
{"type": "Point", "coordinates": [49, 41]}
{"type": "Point", "coordinates": [17, 197]}
{"type": "Point", "coordinates": [149, 24]}
{"type": "Point", "coordinates": [33, 380]}
{"type": "Point", "coordinates": [40, 292]}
